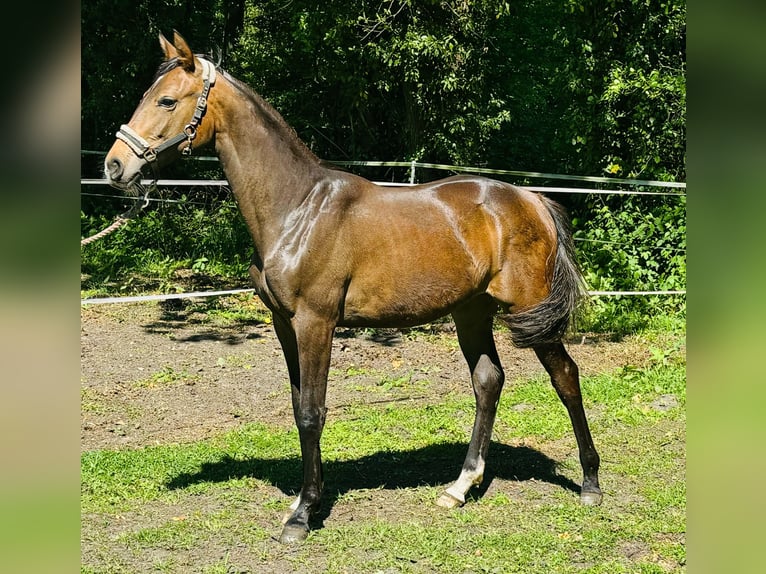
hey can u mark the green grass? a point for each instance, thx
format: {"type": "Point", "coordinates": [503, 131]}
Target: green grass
{"type": "Point", "coordinates": [242, 308]}
{"type": "Point", "coordinates": [385, 465]}
{"type": "Point", "coordinates": [166, 376]}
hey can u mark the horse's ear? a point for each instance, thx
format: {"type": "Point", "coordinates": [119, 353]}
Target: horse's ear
{"type": "Point", "coordinates": [185, 55]}
{"type": "Point", "coordinates": [177, 49]}
{"type": "Point", "coordinates": [167, 48]}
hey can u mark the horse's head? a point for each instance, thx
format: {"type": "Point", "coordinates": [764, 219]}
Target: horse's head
{"type": "Point", "coordinates": [168, 119]}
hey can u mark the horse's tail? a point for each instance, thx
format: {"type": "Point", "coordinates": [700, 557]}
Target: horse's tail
{"type": "Point", "coordinates": [548, 321]}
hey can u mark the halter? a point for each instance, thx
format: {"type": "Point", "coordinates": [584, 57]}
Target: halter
{"type": "Point", "coordinates": [142, 148]}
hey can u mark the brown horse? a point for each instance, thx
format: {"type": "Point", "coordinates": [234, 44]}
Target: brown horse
{"type": "Point", "coordinates": [333, 249]}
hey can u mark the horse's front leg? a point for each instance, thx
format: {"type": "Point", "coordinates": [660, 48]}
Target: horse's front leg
{"type": "Point", "coordinates": [306, 341]}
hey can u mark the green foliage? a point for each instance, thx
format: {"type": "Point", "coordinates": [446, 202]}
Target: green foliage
{"type": "Point", "coordinates": [207, 239]}
{"type": "Point", "coordinates": [364, 79]}
{"type": "Point", "coordinates": [633, 243]}
{"type": "Point", "coordinates": [573, 87]}
{"type": "Point", "coordinates": [627, 84]}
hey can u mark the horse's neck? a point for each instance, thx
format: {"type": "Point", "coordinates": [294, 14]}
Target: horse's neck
{"type": "Point", "coordinates": [269, 170]}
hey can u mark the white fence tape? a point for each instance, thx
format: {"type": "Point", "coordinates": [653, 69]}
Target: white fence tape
{"type": "Point", "coordinates": [413, 165]}
{"type": "Point", "coordinates": [165, 297]}
{"type": "Point", "coordinates": [221, 183]}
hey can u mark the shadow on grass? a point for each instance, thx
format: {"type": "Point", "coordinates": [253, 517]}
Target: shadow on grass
{"type": "Point", "coordinates": [434, 465]}
{"type": "Point", "coordinates": [178, 315]}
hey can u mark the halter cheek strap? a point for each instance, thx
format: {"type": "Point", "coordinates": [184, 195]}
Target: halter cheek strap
{"type": "Point", "coordinates": [142, 148]}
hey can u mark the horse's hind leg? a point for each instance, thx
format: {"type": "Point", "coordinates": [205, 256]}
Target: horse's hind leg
{"type": "Point", "coordinates": [474, 328]}
{"type": "Point", "coordinates": [566, 380]}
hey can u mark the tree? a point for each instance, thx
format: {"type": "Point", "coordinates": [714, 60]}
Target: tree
{"type": "Point", "coordinates": [580, 87]}
{"type": "Point", "coordinates": [627, 74]}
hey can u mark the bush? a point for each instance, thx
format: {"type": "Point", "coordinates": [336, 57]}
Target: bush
{"type": "Point", "coordinates": [205, 236]}
{"type": "Point", "coordinates": [633, 243]}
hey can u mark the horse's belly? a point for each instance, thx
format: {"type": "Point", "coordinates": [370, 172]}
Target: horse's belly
{"type": "Point", "coordinates": [404, 301]}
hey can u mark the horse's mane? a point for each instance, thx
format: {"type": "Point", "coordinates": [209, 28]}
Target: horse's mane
{"type": "Point", "coordinates": [271, 116]}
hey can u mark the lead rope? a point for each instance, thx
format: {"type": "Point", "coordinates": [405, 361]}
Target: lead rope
{"type": "Point", "coordinates": [120, 220]}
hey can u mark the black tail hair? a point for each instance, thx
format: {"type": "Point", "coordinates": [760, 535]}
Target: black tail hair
{"type": "Point", "coordinates": [548, 321]}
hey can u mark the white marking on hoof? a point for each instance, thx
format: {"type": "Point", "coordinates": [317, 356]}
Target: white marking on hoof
{"type": "Point", "coordinates": [591, 498]}
{"type": "Point", "coordinates": [293, 534]}
{"type": "Point", "coordinates": [451, 498]}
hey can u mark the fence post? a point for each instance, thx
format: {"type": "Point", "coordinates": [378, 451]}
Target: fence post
{"type": "Point", "coordinates": [412, 171]}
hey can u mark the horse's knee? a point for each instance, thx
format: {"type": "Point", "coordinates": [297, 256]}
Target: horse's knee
{"type": "Point", "coordinates": [311, 419]}
{"type": "Point", "coordinates": [488, 375]}
{"type": "Point", "coordinates": [488, 379]}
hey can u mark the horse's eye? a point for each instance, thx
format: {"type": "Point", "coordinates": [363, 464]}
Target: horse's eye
{"type": "Point", "coordinates": [167, 102]}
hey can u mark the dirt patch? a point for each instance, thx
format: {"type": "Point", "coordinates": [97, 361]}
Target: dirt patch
{"type": "Point", "coordinates": [159, 373]}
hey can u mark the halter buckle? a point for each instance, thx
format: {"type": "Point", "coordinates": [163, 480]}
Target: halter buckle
{"type": "Point", "coordinates": [190, 131]}
{"type": "Point", "coordinates": [150, 155]}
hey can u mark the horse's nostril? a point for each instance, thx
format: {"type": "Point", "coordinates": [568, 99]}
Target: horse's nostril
{"type": "Point", "coordinates": [114, 168]}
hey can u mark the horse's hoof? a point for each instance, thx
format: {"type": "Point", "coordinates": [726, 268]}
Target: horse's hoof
{"type": "Point", "coordinates": [591, 498]}
{"type": "Point", "coordinates": [292, 534]}
{"type": "Point", "coordinates": [446, 500]}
